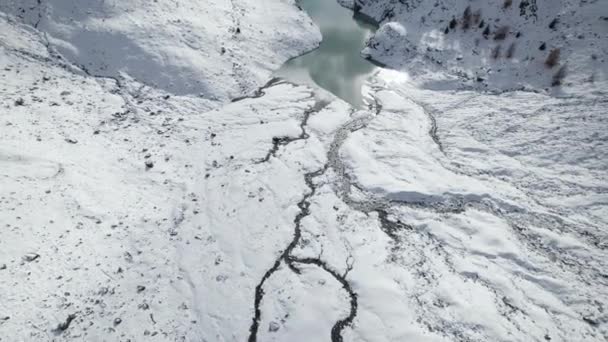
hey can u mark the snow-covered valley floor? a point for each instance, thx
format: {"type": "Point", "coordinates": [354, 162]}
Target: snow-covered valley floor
{"type": "Point", "coordinates": [157, 185]}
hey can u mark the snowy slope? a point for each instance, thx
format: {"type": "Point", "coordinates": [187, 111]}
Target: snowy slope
{"type": "Point", "coordinates": [215, 49]}
{"type": "Point", "coordinates": [119, 201]}
{"type": "Point", "coordinates": [154, 185]}
{"type": "Point", "coordinates": [495, 44]}
{"type": "Point", "coordinates": [500, 176]}
{"type": "Point", "coordinates": [512, 235]}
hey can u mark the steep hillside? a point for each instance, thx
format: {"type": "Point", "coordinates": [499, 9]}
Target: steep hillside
{"type": "Point", "coordinates": [496, 44]}
{"type": "Point", "coordinates": [215, 49]}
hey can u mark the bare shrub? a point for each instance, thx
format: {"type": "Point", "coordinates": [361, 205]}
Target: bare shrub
{"type": "Point", "coordinates": [508, 3]}
{"type": "Point", "coordinates": [477, 17]}
{"type": "Point", "coordinates": [453, 23]}
{"type": "Point", "coordinates": [501, 33]}
{"type": "Point", "coordinates": [553, 23]}
{"type": "Point", "coordinates": [496, 52]}
{"type": "Point", "coordinates": [486, 32]}
{"type": "Point", "coordinates": [559, 76]}
{"type": "Point", "coordinates": [511, 50]}
{"type": "Point", "coordinates": [553, 58]}
{"type": "Point", "coordinates": [466, 18]}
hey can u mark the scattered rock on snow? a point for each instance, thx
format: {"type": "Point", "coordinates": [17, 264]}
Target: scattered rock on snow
{"type": "Point", "coordinates": [273, 326]}
{"type": "Point", "coordinates": [29, 257]}
{"type": "Point", "coordinates": [63, 326]}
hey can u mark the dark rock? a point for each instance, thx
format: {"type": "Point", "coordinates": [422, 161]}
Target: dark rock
{"type": "Point", "coordinates": [63, 326]}
{"type": "Point", "coordinates": [19, 102]}
{"type": "Point", "coordinates": [149, 164]}
{"type": "Point", "coordinates": [542, 47]}
{"type": "Point", "coordinates": [29, 257]}
{"type": "Point", "coordinates": [591, 321]}
{"type": "Point", "coordinates": [71, 141]}
{"type": "Point", "coordinates": [2, 267]}
{"type": "Point", "coordinates": [117, 321]}
{"type": "Point", "coordinates": [553, 23]}
{"type": "Point", "coordinates": [140, 288]}
{"type": "Point", "coordinates": [128, 257]}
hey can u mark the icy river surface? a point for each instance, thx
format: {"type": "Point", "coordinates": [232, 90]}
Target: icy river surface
{"type": "Point", "coordinates": [337, 65]}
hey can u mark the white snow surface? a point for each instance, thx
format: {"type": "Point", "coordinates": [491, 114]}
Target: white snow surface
{"type": "Point", "coordinates": [217, 49]}
{"type": "Point", "coordinates": [149, 186]}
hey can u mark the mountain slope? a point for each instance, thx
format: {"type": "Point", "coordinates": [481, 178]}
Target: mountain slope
{"type": "Point", "coordinates": [156, 185]}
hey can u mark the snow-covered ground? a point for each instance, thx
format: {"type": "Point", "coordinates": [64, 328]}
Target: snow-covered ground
{"type": "Point", "coordinates": [154, 186]}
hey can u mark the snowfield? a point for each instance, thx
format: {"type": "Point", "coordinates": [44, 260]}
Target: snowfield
{"type": "Point", "coordinates": [157, 184]}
